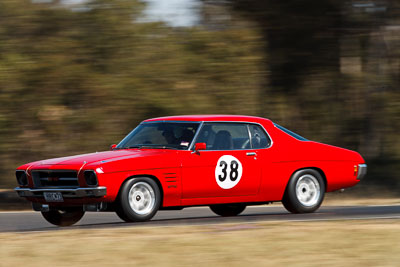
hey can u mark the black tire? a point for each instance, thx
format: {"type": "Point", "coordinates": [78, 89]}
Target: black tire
{"type": "Point", "coordinates": [227, 210]}
{"type": "Point", "coordinates": [134, 192]}
{"type": "Point", "coordinates": [120, 213]}
{"type": "Point", "coordinates": [308, 196]}
{"type": "Point", "coordinates": [65, 216]}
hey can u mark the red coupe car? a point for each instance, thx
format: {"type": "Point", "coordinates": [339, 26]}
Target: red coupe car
{"type": "Point", "coordinates": [222, 161]}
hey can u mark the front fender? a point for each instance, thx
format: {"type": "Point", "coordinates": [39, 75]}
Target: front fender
{"type": "Point", "coordinates": [168, 178]}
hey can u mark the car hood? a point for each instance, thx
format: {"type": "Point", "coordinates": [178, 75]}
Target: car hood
{"type": "Point", "coordinates": [105, 156]}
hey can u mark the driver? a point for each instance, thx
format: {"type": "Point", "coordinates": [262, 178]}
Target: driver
{"type": "Point", "coordinates": [170, 137]}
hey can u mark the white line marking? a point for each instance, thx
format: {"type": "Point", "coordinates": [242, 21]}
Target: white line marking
{"type": "Point", "coordinates": [13, 212]}
{"type": "Point", "coordinates": [387, 205]}
{"type": "Point", "coordinates": [339, 219]}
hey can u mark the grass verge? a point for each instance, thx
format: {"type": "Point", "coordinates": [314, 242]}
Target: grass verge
{"type": "Point", "coordinates": [343, 199]}
{"type": "Point", "coordinates": [333, 243]}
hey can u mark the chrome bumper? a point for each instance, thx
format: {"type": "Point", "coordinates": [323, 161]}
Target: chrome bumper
{"type": "Point", "coordinates": [362, 171]}
{"type": "Point", "coordinates": [66, 192]}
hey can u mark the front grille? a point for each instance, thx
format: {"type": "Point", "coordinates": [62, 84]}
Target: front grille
{"type": "Point", "coordinates": [55, 178]}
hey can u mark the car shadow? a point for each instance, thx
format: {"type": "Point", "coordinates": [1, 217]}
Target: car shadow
{"type": "Point", "coordinates": [201, 220]}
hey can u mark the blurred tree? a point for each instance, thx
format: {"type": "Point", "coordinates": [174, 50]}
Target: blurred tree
{"type": "Point", "coordinates": [75, 79]}
{"type": "Point", "coordinates": [334, 73]}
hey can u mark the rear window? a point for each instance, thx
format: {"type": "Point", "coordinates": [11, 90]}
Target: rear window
{"type": "Point", "coordinates": [292, 134]}
{"type": "Point", "coordinates": [258, 137]}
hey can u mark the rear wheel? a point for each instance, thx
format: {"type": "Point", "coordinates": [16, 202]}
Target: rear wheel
{"type": "Point", "coordinates": [65, 216]}
{"type": "Point", "coordinates": [227, 210]}
{"type": "Point", "coordinates": [304, 192]}
{"type": "Point", "coordinates": [139, 200]}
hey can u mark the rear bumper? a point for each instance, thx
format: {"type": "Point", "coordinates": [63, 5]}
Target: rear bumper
{"type": "Point", "coordinates": [362, 171]}
{"type": "Point", "coordinates": [81, 192]}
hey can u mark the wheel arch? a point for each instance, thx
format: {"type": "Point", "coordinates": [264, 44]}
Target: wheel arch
{"type": "Point", "coordinates": [154, 178]}
{"type": "Point", "coordinates": [320, 171]}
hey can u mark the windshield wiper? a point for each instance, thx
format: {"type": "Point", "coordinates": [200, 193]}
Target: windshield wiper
{"type": "Point", "coordinates": [132, 147]}
{"type": "Point", "coordinates": [150, 146]}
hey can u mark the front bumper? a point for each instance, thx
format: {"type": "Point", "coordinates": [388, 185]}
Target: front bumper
{"type": "Point", "coordinates": [81, 192]}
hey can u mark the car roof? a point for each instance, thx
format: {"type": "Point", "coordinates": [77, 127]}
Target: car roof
{"type": "Point", "coordinates": [224, 118]}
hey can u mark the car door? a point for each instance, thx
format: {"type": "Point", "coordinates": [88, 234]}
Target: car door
{"type": "Point", "coordinates": [228, 167]}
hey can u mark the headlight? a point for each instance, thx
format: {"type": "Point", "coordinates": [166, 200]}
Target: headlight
{"type": "Point", "coordinates": [22, 179]}
{"type": "Point", "coordinates": [90, 178]}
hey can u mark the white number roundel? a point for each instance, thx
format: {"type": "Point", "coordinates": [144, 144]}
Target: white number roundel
{"type": "Point", "coordinates": [228, 171]}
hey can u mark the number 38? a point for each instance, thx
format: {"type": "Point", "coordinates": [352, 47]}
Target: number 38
{"type": "Point", "coordinates": [228, 171]}
{"type": "Point", "coordinates": [233, 170]}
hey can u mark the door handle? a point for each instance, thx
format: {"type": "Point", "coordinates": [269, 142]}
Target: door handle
{"type": "Point", "coordinates": [251, 154]}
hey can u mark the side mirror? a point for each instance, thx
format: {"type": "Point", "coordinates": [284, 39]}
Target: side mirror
{"type": "Point", "coordinates": [112, 147]}
{"type": "Point", "coordinates": [199, 146]}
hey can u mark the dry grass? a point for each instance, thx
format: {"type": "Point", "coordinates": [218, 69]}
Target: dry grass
{"type": "Point", "coordinates": [350, 243]}
{"type": "Point", "coordinates": [337, 199]}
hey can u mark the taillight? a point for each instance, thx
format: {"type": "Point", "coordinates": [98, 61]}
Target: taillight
{"type": "Point", "coordinates": [355, 170]}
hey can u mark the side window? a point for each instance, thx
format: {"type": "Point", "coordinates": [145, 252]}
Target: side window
{"type": "Point", "coordinates": [258, 137]}
{"type": "Point", "coordinates": [224, 136]}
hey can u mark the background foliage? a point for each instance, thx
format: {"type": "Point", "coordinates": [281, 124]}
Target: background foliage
{"type": "Point", "coordinates": [76, 79]}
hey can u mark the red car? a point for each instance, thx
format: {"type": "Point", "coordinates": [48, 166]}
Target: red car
{"type": "Point", "coordinates": [222, 161]}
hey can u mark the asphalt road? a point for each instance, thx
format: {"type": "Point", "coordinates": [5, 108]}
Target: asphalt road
{"type": "Point", "coordinates": [32, 221]}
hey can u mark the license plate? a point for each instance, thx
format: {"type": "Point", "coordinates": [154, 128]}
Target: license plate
{"type": "Point", "coordinates": [53, 197]}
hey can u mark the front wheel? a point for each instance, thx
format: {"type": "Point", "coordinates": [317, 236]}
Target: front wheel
{"type": "Point", "coordinates": [304, 192]}
{"type": "Point", "coordinates": [227, 210]}
{"type": "Point", "coordinates": [139, 200]}
{"type": "Point", "coordinates": [65, 216]}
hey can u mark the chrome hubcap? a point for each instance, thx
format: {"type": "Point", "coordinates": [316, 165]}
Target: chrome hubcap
{"type": "Point", "coordinates": [308, 190]}
{"type": "Point", "coordinates": [142, 198]}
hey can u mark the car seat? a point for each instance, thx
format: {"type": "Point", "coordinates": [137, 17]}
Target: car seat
{"type": "Point", "coordinates": [223, 141]}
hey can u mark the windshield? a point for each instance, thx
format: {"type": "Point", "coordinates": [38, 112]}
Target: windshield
{"type": "Point", "coordinates": [173, 135]}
